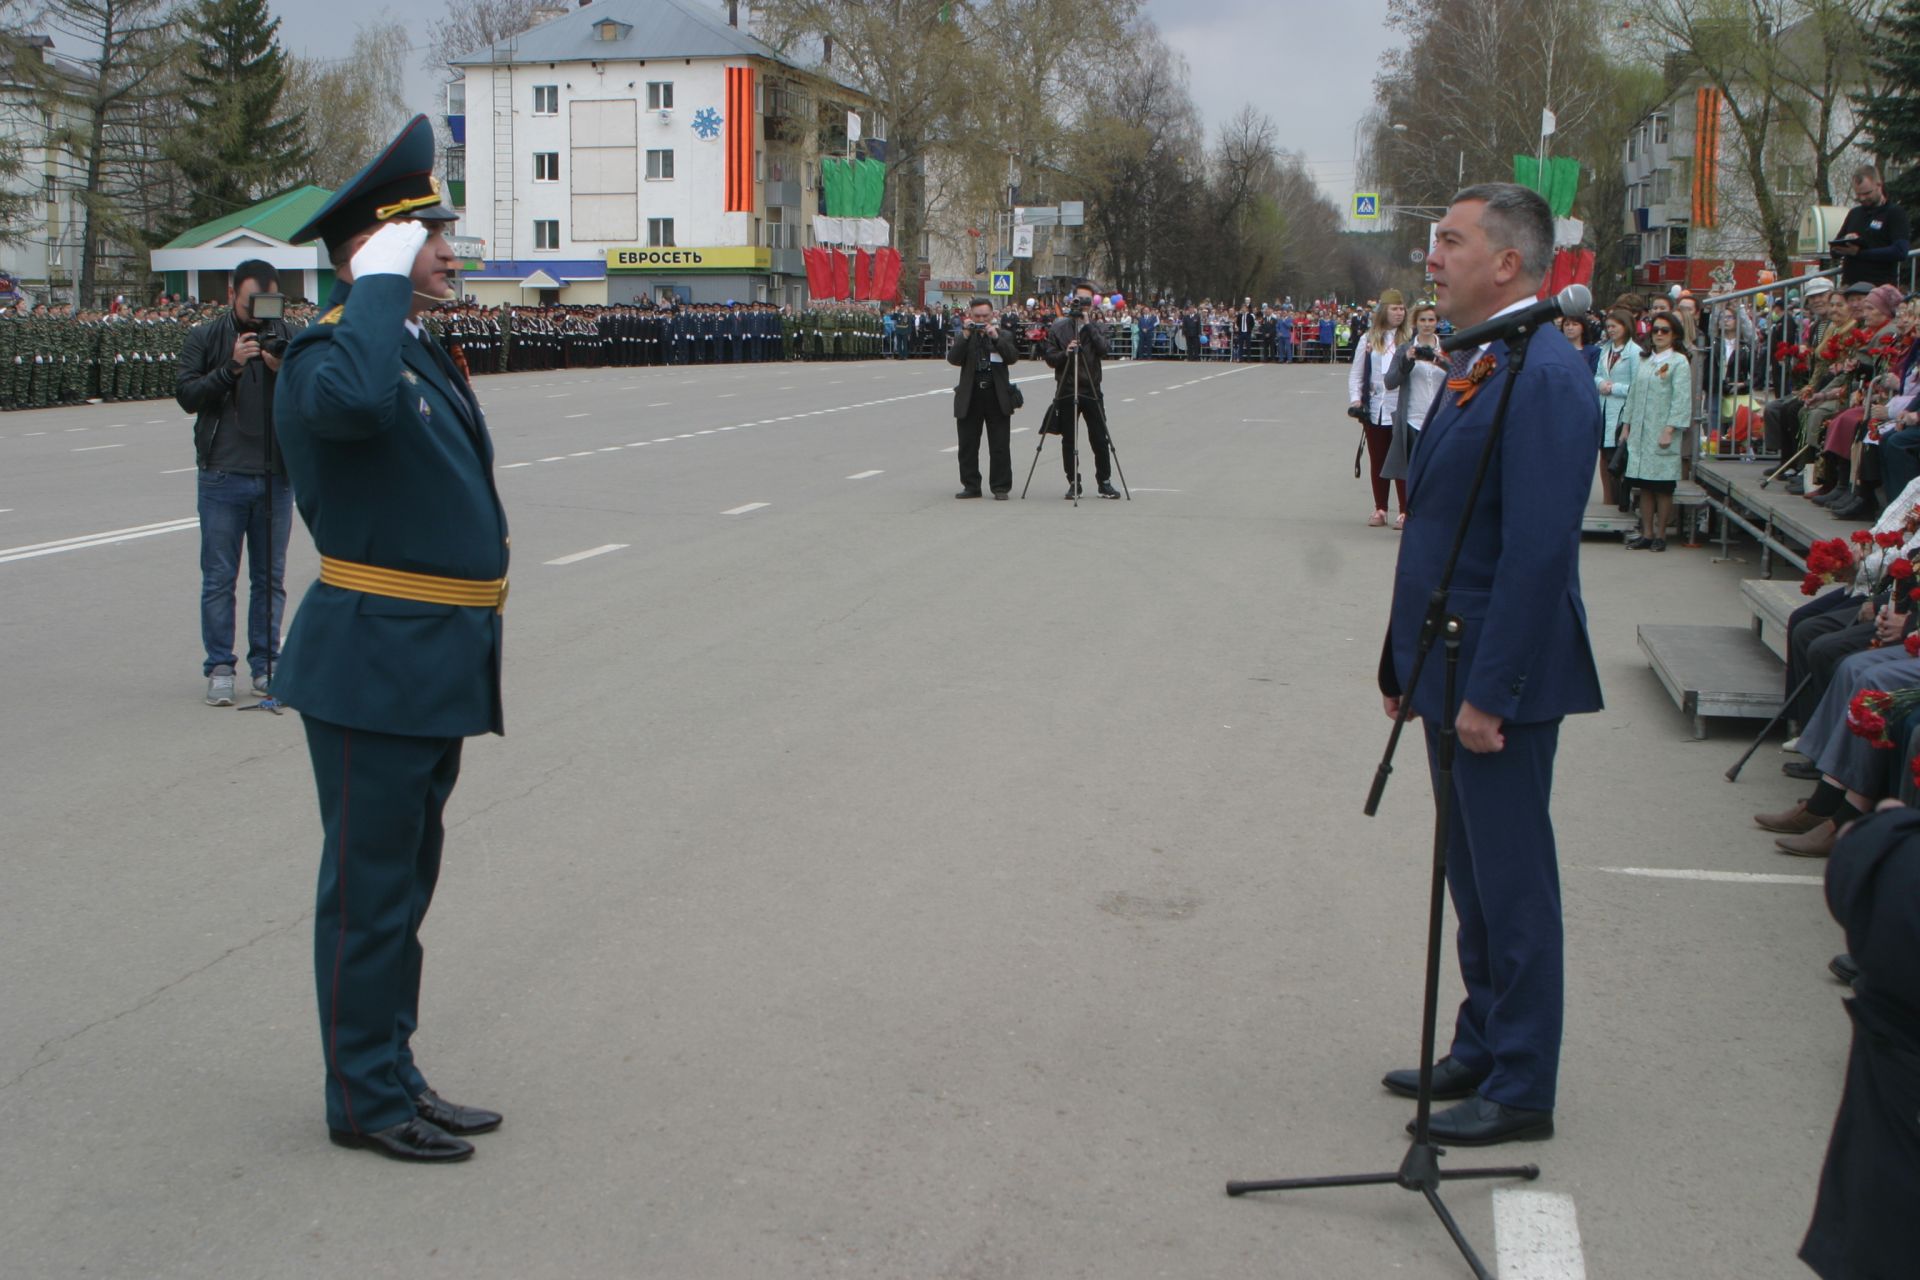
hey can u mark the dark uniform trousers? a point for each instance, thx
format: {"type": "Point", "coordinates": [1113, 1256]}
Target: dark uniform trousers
{"type": "Point", "coordinates": [381, 800]}
{"type": "Point", "coordinates": [984, 413]}
{"type": "Point", "coordinates": [1503, 876]}
{"type": "Point", "coordinates": [1820, 635]}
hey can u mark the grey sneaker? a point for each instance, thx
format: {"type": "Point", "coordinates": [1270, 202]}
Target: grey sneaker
{"type": "Point", "coordinates": [220, 687]}
{"type": "Point", "coordinates": [262, 687]}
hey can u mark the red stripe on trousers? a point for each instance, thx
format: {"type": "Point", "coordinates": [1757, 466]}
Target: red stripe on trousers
{"type": "Point", "coordinates": [340, 948]}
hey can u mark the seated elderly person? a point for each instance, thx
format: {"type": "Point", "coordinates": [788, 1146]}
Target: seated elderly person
{"type": "Point", "coordinates": [1854, 773]}
{"type": "Point", "coordinates": [1831, 626]}
{"type": "Point", "coordinates": [1874, 315]}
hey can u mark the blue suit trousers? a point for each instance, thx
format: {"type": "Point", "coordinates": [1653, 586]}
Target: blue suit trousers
{"type": "Point", "coordinates": [1503, 875]}
{"type": "Point", "coordinates": [381, 800]}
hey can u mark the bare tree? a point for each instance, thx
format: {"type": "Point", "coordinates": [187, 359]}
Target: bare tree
{"type": "Point", "coordinates": [350, 105]}
{"type": "Point", "coordinates": [469, 26]}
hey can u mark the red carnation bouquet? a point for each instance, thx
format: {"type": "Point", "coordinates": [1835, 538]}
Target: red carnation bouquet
{"type": "Point", "coordinates": [1873, 711]}
{"type": "Point", "coordinates": [1827, 562]}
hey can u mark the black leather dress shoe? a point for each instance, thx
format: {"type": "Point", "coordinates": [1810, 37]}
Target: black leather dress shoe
{"type": "Point", "coordinates": [1845, 968]}
{"type": "Point", "coordinates": [1805, 770]}
{"type": "Point", "coordinates": [1450, 1081]}
{"type": "Point", "coordinates": [1478, 1122]}
{"type": "Point", "coordinates": [413, 1139]}
{"type": "Point", "coordinates": [453, 1117]}
{"type": "Point", "coordinates": [967, 493]}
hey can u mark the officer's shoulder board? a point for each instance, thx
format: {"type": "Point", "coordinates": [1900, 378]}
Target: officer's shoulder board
{"type": "Point", "coordinates": [333, 316]}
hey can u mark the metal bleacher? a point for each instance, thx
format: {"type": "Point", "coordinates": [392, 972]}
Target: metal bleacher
{"type": "Point", "coordinates": [1737, 671]}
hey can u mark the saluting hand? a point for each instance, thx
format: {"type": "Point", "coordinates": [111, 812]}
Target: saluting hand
{"type": "Point", "coordinates": [390, 251]}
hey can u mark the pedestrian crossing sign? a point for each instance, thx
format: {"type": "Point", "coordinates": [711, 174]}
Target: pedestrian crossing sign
{"type": "Point", "coordinates": [1366, 204]}
{"type": "Point", "coordinates": [1001, 284]}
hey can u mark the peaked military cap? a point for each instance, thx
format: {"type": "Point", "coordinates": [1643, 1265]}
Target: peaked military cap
{"type": "Point", "coordinates": [398, 185]}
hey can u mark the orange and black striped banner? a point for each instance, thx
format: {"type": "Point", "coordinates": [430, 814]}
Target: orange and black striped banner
{"type": "Point", "coordinates": [1706, 158]}
{"type": "Point", "coordinates": [739, 141]}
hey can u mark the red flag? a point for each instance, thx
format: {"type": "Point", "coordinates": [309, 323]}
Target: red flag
{"type": "Point", "coordinates": [738, 192]}
{"type": "Point", "coordinates": [840, 286]}
{"type": "Point", "coordinates": [819, 273]}
{"type": "Point", "coordinates": [886, 274]}
{"type": "Point", "coordinates": [862, 274]}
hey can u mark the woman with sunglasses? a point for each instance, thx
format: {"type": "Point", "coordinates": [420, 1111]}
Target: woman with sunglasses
{"type": "Point", "coordinates": [1658, 411]}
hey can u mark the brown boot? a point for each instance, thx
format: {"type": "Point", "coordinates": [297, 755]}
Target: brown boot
{"type": "Point", "coordinates": [1817, 843]}
{"type": "Point", "coordinates": [1793, 822]}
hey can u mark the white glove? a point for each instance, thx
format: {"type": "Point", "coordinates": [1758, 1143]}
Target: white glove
{"type": "Point", "coordinates": [391, 250]}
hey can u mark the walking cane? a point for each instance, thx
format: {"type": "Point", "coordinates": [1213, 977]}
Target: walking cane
{"type": "Point", "coordinates": [1733, 774]}
{"type": "Point", "coordinates": [1804, 456]}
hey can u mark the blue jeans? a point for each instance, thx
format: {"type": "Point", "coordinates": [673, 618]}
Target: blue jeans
{"type": "Point", "coordinates": [233, 511]}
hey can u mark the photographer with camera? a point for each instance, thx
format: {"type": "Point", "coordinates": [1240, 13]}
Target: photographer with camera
{"type": "Point", "coordinates": [985, 397]}
{"type": "Point", "coordinates": [1873, 241]}
{"type": "Point", "coordinates": [225, 377]}
{"type": "Point", "coordinates": [1076, 344]}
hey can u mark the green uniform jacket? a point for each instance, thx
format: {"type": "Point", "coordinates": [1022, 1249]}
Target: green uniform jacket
{"type": "Point", "coordinates": [391, 466]}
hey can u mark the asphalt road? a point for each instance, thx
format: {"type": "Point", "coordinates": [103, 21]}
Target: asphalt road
{"type": "Point", "coordinates": [870, 884]}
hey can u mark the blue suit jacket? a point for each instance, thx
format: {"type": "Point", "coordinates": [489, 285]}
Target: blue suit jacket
{"type": "Point", "coordinates": [1524, 653]}
{"type": "Point", "coordinates": [391, 466]}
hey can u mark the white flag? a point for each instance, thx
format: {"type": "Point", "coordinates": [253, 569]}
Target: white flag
{"type": "Point", "coordinates": [853, 126]}
{"type": "Point", "coordinates": [1547, 123]}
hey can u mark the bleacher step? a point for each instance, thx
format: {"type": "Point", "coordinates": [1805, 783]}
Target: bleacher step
{"type": "Point", "coordinates": [1714, 671]}
{"type": "Point", "coordinates": [1773, 601]}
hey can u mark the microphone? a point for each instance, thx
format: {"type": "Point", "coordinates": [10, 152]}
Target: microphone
{"type": "Point", "coordinates": [1574, 300]}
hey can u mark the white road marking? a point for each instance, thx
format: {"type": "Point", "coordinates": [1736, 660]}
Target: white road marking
{"type": "Point", "coordinates": [863, 475]}
{"type": "Point", "coordinates": [572, 416]}
{"type": "Point", "coordinates": [1718, 877]}
{"type": "Point", "coordinates": [560, 395]}
{"type": "Point", "coordinates": [31, 434]}
{"type": "Point", "coordinates": [661, 405]}
{"type": "Point", "coordinates": [555, 458]}
{"type": "Point", "coordinates": [612, 448]}
{"type": "Point", "coordinates": [578, 556]}
{"type": "Point", "coordinates": [584, 453]}
{"type": "Point", "coordinates": [71, 430]}
{"type": "Point", "coordinates": [1537, 1236]}
{"type": "Point", "coordinates": [1129, 400]}
{"type": "Point", "coordinates": [726, 395]}
{"type": "Point", "coordinates": [151, 422]}
{"type": "Point", "coordinates": [740, 511]}
{"type": "Point", "coordinates": [95, 448]}
{"type": "Point", "coordinates": [86, 540]}
{"type": "Point", "coordinates": [663, 440]}
{"type": "Point", "coordinates": [1263, 419]}
{"type": "Point", "coordinates": [511, 465]}
{"type": "Point", "coordinates": [687, 436]}
{"type": "Point", "coordinates": [1016, 431]}
{"type": "Point", "coordinates": [178, 471]}
{"type": "Point", "coordinates": [707, 431]}
{"type": "Point", "coordinates": [952, 448]}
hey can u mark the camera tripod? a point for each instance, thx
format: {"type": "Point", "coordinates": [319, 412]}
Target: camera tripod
{"type": "Point", "coordinates": [1069, 436]}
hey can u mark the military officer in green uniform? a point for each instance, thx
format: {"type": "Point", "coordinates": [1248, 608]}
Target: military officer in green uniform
{"type": "Point", "coordinates": [394, 657]}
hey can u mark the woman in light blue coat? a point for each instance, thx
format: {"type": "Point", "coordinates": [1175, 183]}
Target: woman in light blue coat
{"type": "Point", "coordinates": [1657, 415]}
{"type": "Point", "coordinates": [1613, 378]}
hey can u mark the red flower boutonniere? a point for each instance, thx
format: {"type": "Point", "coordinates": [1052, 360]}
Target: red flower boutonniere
{"type": "Point", "coordinates": [1466, 388]}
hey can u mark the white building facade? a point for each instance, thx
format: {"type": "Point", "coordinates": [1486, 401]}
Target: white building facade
{"type": "Point", "coordinates": [599, 149]}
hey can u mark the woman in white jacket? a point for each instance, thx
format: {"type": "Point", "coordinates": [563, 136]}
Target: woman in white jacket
{"type": "Point", "coordinates": [1613, 378]}
{"type": "Point", "coordinates": [1368, 398]}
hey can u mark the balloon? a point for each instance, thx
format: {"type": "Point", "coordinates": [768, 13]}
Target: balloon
{"type": "Point", "coordinates": [1033, 302]}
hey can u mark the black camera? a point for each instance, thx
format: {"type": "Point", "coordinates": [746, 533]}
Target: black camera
{"type": "Point", "coordinates": [976, 326]}
{"type": "Point", "coordinates": [1425, 353]}
{"type": "Point", "coordinates": [273, 346]}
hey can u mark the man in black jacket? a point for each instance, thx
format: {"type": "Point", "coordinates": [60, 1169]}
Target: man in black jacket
{"type": "Point", "coordinates": [225, 377]}
{"type": "Point", "coordinates": [1075, 346]}
{"type": "Point", "coordinates": [1873, 241]}
{"type": "Point", "coordinates": [983, 352]}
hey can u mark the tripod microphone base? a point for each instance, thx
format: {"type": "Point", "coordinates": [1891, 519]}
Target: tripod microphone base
{"type": "Point", "coordinates": [1421, 1172]}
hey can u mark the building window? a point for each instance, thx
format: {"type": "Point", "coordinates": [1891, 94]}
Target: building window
{"type": "Point", "coordinates": [546, 99]}
{"type": "Point", "coordinates": [659, 95]}
{"type": "Point", "coordinates": [760, 166]}
{"type": "Point", "coordinates": [1633, 146]}
{"type": "Point", "coordinates": [1659, 131]}
{"type": "Point", "coordinates": [759, 236]}
{"type": "Point", "coordinates": [1676, 242]}
{"type": "Point", "coordinates": [776, 229]}
{"type": "Point", "coordinates": [546, 233]}
{"type": "Point", "coordinates": [660, 233]}
{"type": "Point", "coordinates": [456, 164]}
{"type": "Point", "coordinates": [660, 166]}
{"type": "Point", "coordinates": [1662, 186]}
{"type": "Point", "coordinates": [546, 166]}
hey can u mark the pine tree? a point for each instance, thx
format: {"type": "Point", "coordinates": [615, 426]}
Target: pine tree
{"type": "Point", "coordinates": [1893, 125]}
{"type": "Point", "coordinates": [238, 147]}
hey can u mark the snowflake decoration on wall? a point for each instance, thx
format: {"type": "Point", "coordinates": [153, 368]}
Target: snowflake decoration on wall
{"type": "Point", "coordinates": [706, 123]}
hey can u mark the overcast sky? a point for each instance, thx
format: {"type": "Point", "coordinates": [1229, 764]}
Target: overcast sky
{"type": "Point", "coordinates": [1308, 64]}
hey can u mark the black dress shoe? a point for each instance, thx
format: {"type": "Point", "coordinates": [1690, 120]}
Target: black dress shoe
{"type": "Point", "coordinates": [1805, 770]}
{"type": "Point", "coordinates": [453, 1117]}
{"type": "Point", "coordinates": [999, 495]}
{"type": "Point", "coordinates": [1845, 968]}
{"type": "Point", "coordinates": [1639, 543]}
{"type": "Point", "coordinates": [1478, 1122]}
{"type": "Point", "coordinates": [414, 1139]}
{"type": "Point", "coordinates": [1854, 508]}
{"type": "Point", "coordinates": [967, 493]}
{"type": "Point", "coordinates": [1107, 490]}
{"type": "Point", "coordinates": [1450, 1080]}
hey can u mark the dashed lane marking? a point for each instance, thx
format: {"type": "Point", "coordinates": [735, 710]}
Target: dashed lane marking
{"type": "Point", "coordinates": [865, 475]}
{"type": "Point", "coordinates": [1537, 1236]}
{"type": "Point", "coordinates": [740, 511]}
{"type": "Point", "coordinates": [179, 471]}
{"type": "Point", "coordinates": [1716, 877]}
{"type": "Point", "coordinates": [85, 540]}
{"type": "Point", "coordinates": [952, 448]}
{"type": "Point", "coordinates": [95, 448]}
{"type": "Point", "coordinates": [572, 416]}
{"type": "Point", "coordinates": [590, 553]}
{"type": "Point", "coordinates": [511, 465]}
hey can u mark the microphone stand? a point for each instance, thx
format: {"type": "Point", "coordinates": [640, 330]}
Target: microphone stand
{"type": "Point", "coordinates": [1420, 1169]}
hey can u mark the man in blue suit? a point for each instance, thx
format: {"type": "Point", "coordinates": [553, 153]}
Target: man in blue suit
{"type": "Point", "coordinates": [394, 657]}
{"type": "Point", "coordinates": [1525, 662]}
